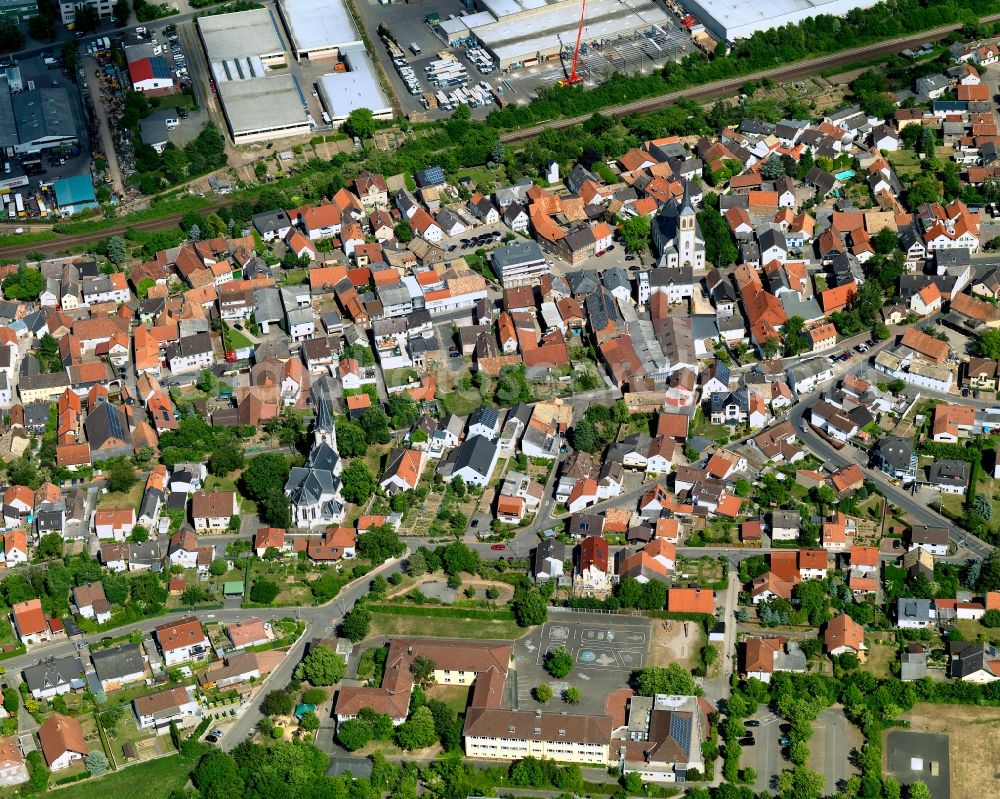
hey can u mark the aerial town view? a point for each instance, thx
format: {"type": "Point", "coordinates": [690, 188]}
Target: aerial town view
{"type": "Point", "coordinates": [538, 399]}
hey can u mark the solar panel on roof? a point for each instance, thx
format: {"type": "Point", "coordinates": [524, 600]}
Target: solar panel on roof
{"type": "Point", "coordinates": [114, 423]}
{"type": "Point", "coordinates": [680, 729]}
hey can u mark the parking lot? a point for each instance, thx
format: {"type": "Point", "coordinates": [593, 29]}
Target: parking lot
{"type": "Point", "coordinates": [406, 22]}
{"type": "Point", "coordinates": [606, 649]}
{"type": "Point", "coordinates": [912, 756]}
{"type": "Point", "coordinates": [57, 162]}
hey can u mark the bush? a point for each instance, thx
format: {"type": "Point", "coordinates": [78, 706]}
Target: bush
{"type": "Point", "coordinates": [277, 733]}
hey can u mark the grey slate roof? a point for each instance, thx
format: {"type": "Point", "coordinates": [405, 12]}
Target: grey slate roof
{"type": "Point", "coordinates": [476, 453]}
{"type": "Point", "coordinates": [53, 672]}
{"type": "Point", "coordinates": [113, 664]}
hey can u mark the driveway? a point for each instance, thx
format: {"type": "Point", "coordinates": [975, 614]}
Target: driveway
{"type": "Point", "coordinates": [833, 739]}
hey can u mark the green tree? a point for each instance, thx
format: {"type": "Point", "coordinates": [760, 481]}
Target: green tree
{"type": "Point", "coordinates": [632, 782]}
{"type": "Point", "coordinates": [97, 763]}
{"type": "Point", "coordinates": [635, 233]}
{"type": "Point", "coordinates": [322, 666]}
{"type": "Point", "coordinates": [375, 423]}
{"type": "Point", "coordinates": [218, 567]}
{"type": "Point", "coordinates": [11, 39]}
{"type": "Point", "coordinates": [42, 27]}
{"type": "Point", "coordinates": [351, 441]}
{"type": "Point", "coordinates": [403, 231]}
{"type": "Point", "coordinates": [529, 607]}
{"type": "Point", "coordinates": [458, 558]}
{"type": "Point", "coordinates": [379, 544]}
{"type": "Point", "coordinates": [585, 436]}
{"type": "Point", "coordinates": [358, 482]}
{"type": "Point", "coordinates": [672, 679]}
{"type": "Point", "coordinates": [559, 662]}
{"type": "Point", "coordinates": [216, 777]}
{"type": "Point", "coordinates": [87, 19]}
{"type": "Point", "coordinates": [543, 693]}
{"type": "Point", "coordinates": [226, 460]}
{"type": "Point", "coordinates": [772, 168]}
{"type": "Point", "coordinates": [11, 700]}
{"type": "Point", "coordinates": [117, 250]}
{"type": "Point", "coordinates": [991, 618]}
{"type": "Point", "coordinates": [417, 731]}
{"type": "Point", "coordinates": [264, 591]}
{"type": "Point", "coordinates": [309, 721]}
{"type": "Point", "coordinates": [796, 340]}
{"type": "Point", "coordinates": [120, 476]}
{"type": "Point", "coordinates": [354, 626]}
{"type": "Point", "coordinates": [50, 546]}
{"type": "Point", "coordinates": [361, 123]}
{"type": "Point", "coordinates": [278, 703]}
{"type": "Point", "coordinates": [571, 695]}
{"type": "Point", "coordinates": [988, 344]}
{"type": "Point", "coordinates": [264, 473]}
{"type": "Point", "coordinates": [918, 790]}
{"type": "Point", "coordinates": [354, 734]}
{"type": "Point", "coordinates": [422, 668]}
{"type": "Point", "coordinates": [193, 595]}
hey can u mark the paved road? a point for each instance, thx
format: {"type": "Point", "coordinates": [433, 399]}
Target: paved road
{"type": "Point", "coordinates": [321, 622]}
{"type": "Point", "coordinates": [851, 455]}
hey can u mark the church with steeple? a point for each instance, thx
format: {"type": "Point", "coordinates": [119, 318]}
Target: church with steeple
{"type": "Point", "coordinates": [314, 490]}
{"type": "Point", "coordinates": [677, 235]}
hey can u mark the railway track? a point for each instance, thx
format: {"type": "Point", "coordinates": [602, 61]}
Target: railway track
{"type": "Point", "coordinates": [783, 74]}
{"type": "Point", "coordinates": [794, 71]}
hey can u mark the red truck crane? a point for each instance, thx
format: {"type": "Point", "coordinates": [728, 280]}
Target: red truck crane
{"type": "Point", "coordinates": [574, 78]}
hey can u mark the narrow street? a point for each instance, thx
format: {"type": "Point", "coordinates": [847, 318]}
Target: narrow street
{"type": "Point", "coordinates": [90, 70]}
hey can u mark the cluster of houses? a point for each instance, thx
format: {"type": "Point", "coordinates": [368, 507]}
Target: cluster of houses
{"type": "Point", "coordinates": [658, 737]}
{"type": "Point", "coordinates": [235, 666]}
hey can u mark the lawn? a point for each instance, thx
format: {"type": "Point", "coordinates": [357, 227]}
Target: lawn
{"type": "Point", "coordinates": [905, 162]}
{"type": "Point", "coordinates": [486, 180]}
{"type": "Point", "coordinates": [153, 779]}
{"type": "Point", "coordinates": [973, 745]}
{"type": "Point", "coordinates": [237, 341]}
{"type": "Point", "coordinates": [700, 426]}
{"type": "Point", "coordinates": [454, 696]}
{"type": "Point", "coordinates": [702, 571]}
{"type": "Point", "coordinates": [880, 657]}
{"type": "Point", "coordinates": [174, 101]}
{"type": "Point", "coordinates": [295, 277]}
{"type": "Point", "coordinates": [971, 630]}
{"type": "Point", "coordinates": [114, 499]}
{"type": "Point", "coordinates": [391, 624]}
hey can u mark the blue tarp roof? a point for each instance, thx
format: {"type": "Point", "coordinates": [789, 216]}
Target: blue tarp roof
{"type": "Point", "coordinates": [73, 191]}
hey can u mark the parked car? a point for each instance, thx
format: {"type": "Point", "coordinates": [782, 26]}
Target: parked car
{"type": "Point", "coordinates": [751, 723]}
{"type": "Point", "coordinates": [498, 547]}
{"type": "Point", "coordinates": [784, 740]}
{"type": "Point", "coordinates": [748, 741]}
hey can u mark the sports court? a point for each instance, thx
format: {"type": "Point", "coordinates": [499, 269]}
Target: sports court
{"type": "Point", "coordinates": [597, 641]}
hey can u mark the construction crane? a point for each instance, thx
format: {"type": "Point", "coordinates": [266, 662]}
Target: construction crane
{"type": "Point", "coordinates": [573, 79]}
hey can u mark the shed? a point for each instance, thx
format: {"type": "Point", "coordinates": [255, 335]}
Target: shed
{"type": "Point", "coordinates": [233, 588]}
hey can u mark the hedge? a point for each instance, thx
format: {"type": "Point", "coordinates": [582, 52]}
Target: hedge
{"type": "Point", "coordinates": [445, 613]}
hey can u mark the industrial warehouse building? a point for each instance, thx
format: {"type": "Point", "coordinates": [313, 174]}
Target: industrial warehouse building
{"type": "Point", "coordinates": [343, 92]}
{"type": "Point", "coordinates": [522, 32]}
{"type": "Point", "coordinates": [319, 28]}
{"type": "Point", "coordinates": [729, 20]}
{"type": "Point", "coordinates": [36, 120]}
{"type": "Point", "coordinates": [258, 105]}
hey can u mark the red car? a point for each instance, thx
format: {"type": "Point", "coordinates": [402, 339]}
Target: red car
{"type": "Point", "coordinates": [498, 547]}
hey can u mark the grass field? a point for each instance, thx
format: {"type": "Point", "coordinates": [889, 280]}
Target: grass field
{"type": "Point", "coordinates": [115, 500]}
{"type": "Point", "coordinates": [236, 340]}
{"type": "Point", "coordinates": [390, 624]}
{"type": "Point", "coordinates": [454, 696]}
{"type": "Point", "coordinates": [973, 745]}
{"type": "Point", "coordinates": [880, 657]}
{"type": "Point", "coordinates": [971, 630]}
{"type": "Point", "coordinates": [154, 779]}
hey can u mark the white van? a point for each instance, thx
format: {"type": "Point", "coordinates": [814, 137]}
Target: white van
{"type": "Point", "coordinates": [414, 48]}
